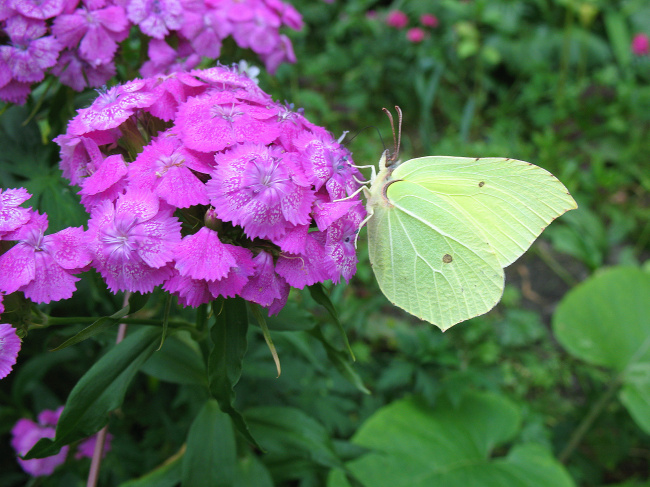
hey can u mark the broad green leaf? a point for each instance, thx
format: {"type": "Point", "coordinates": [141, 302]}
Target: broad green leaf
{"type": "Point", "coordinates": [211, 454]}
{"type": "Point", "coordinates": [605, 321]}
{"type": "Point", "coordinates": [417, 446]}
{"type": "Point", "coordinates": [178, 362]}
{"type": "Point", "coordinates": [166, 475]}
{"type": "Point", "coordinates": [635, 394]}
{"type": "Point", "coordinates": [251, 472]}
{"type": "Point", "coordinates": [287, 432]}
{"type": "Point", "coordinates": [228, 334]}
{"type": "Point", "coordinates": [99, 391]}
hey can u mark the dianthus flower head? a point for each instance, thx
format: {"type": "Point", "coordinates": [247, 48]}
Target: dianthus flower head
{"type": "Point", "coordinates": [256, 185]}
{"type": "Point", "coordinates": [429, 20]}
{"type": "Point", "coordinates": [9, 348]}
{"type": "Point", "coordinates": [641, 44]}
{"type": "Point", "coordinates": [415, 35]}
{"type": "Point", "coordinates": [397, 19]}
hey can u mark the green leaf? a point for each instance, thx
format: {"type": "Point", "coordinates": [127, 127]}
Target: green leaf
{"type": "Point", "coordinates": [166, 475]}
{"type": "Point", "coordinates": [341, 361]}
{"type": "Point", "coordinates": [605, 319]}
{"type": "Point", "coordinates": [289, 433]}
{"type": "Point", "coordinates": [99, 391]}
{"type": "Point", "coordinates": [228, 335]}
{"type": "Point", "coordinates": [178, 361]}
{"type": "Point", "coordinates": [251, 472]}
{"type": "Point", "coordinates": [619, 37]}
{"type": "Point", "coordinates": [605, 322]}
{"type": "Point", "coordinates": [211, 454]}
{"type": "Point", "coordinates": [318, 293]}
{"type": "Point", "coordinates": [257, 312]}
{"type": "Point", "coordinates": [417, 446]}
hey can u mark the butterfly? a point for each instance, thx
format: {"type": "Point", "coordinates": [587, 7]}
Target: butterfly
{"type": "Point", "coordinates": [442, 229]}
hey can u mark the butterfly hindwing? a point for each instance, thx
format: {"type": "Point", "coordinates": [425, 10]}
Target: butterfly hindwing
{"type": "Point", "coordinates": [429, 258]}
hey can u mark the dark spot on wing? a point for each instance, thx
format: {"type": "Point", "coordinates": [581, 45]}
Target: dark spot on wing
{"type": "Point", "coordinates": [481, 184]}
{"type": "Point", "coordinates": [447, 258]}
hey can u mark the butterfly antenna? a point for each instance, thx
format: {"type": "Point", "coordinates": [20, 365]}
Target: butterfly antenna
{"type": "Point", "coordinates": [399, 130]}
{"type": "Point", "coordinates": [397, 138]}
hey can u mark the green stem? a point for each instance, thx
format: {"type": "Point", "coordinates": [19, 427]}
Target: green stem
{"type": "Point", "coordinates": [589, 419]}
{"type": "Point", "coordinates": [549, 260]}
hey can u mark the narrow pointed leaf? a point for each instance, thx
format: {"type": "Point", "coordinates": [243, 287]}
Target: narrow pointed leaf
{"type": "Point", "coordinates": [99, 391]}
{"type": "Point", "coordinates": [318, 293]}
{"type": "Point", "coordinates": [228, 335]}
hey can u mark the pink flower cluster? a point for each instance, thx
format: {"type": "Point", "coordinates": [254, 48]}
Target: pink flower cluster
{"type": "Point", "coordinates": [78, 40]}
{"type": "Point", "coordinates": [399, 20]}
{"type": "Point", "coordinates": [198, 182]}
{"type": "Point", "coordinates": [26, 433]}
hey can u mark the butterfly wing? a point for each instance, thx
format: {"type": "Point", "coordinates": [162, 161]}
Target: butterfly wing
{"type": "Point", "coordinates": [430, 259]}
{"type": "Point", "coordinates": [511, 202]}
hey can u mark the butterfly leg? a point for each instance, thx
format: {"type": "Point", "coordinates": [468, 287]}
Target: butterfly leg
{"type": "Point", "coordinates": [369, 211]}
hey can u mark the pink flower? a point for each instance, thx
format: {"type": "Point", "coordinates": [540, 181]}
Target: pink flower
{"type": "Point", "coordinates": [133, 241]}
{"type": "Point", "coordinates": [13, 216]}
{"type": "Point", "coordinates": [165, 59]}
{"type": "Point", "coordinates": [94, 32]}
{"type": "Point", "coordinates": [9, 348]}
{"type": "Point", "coordinates": [26, 433]}
{"type": "Point", "coordinates": [225, 121]}
{"type": "Point", "coordinates": [111, 108]}
{"type": "Point", "coordinates": [429, 20]}
{"type": "Point", "coordinates": [35, 9]}
{"type": "Point", "coordinates": [261, 190]}
{"type": "Point", "coordinates": [641, 45]}
{"type": "Point", "coordinates": [397, 19]}
{"type": "Point", "coordinates": [172, 171]}
{"type": "Point", "coordinates": [79, 74]}
{"type": "Point", "coordinates": [415, 35]}
{"type": "Point", "coordinates": [30, 52]}
{"type": "Point", "coordinates": [156, 18]}
{"type": "Point", "coordinates": [42, 266]}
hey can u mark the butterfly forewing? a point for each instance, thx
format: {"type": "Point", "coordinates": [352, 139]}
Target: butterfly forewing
{"type": "Point", "coordinates": [430, 259]}
{"type": "Point", "coordinates": [509, 201]}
